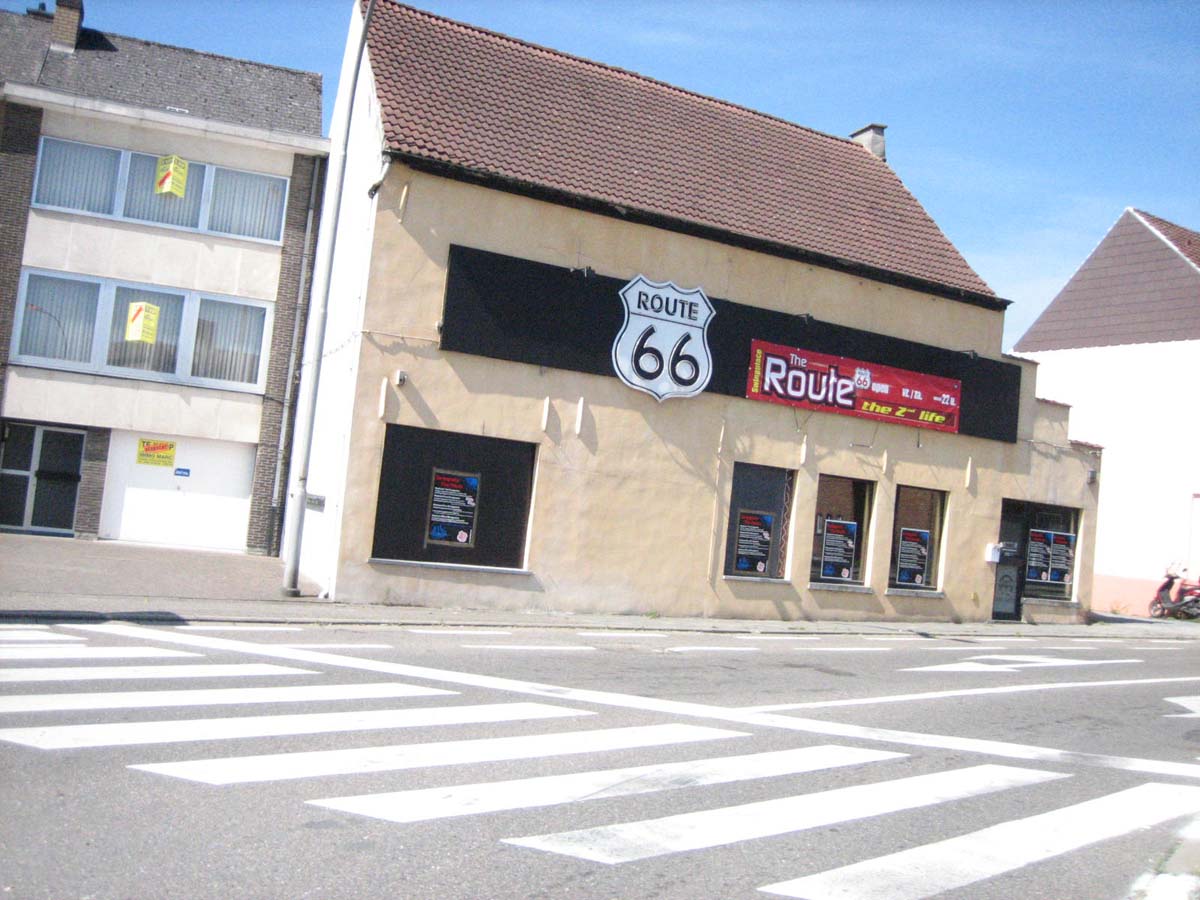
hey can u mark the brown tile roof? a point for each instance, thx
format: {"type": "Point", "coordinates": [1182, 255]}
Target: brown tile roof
{"type": "Point", "coordinates": [1184, 240]}
{"type": "Point", "coordinates": [473, 103]}
{"type": "Point", "coordinates": [1140, 285]}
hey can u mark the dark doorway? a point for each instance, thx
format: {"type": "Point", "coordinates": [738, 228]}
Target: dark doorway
{"type": "Point", "coordinates": [39, 478]}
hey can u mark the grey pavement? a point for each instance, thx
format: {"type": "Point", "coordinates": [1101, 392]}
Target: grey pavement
{"type": "Point", "coordinates": [61, 578]}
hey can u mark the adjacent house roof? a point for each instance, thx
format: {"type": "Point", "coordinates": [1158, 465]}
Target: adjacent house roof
{"type": "Point", "coordinates": [470, 103]}
{"type": "Point", "coordinates": [1140, 285]}
{"type": "Point", "coordinates": [158, 76]}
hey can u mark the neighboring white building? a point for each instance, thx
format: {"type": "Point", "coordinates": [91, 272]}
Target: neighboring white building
{"type": "Point", "coordinates": [1120, 343]}
{"type": "Point", "coordinates": [175, 433]}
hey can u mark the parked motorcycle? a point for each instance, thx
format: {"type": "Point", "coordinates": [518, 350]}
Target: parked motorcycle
{"type": "Point", "coordinates": [1184, 604]}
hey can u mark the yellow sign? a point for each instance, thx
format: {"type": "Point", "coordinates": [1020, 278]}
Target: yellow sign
{"type": "Point", "coordinates": [172, 176]}
{"type": "Point", "coordinates": [141, 323]}
{"type": "Point", "coordinates": [155, 453]}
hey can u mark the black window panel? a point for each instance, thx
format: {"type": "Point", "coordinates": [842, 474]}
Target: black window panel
{"type": "Point", "coordinates": [17, 452]}
{"type": "Point", "coordinates": [505, 471]}
{"type": "Point", "coordinates": [760, 489]}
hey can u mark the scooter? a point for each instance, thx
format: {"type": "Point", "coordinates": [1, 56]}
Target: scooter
{"type": "Point", "coordinates": [1184, 605]}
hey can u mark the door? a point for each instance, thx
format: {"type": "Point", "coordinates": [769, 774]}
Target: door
{"type": "Point", "coordinates": [39, 478]}
{"type": "Point", "coordinates": [1010, 568]}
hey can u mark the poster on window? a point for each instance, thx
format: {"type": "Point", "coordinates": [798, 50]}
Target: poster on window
{"type": "Point", "coordinates": [912, 557]}
{"type": "Point", "coordinates": [453, 502]}
{"type": "Point", "coordinates": [1050, 558]}
{"type": "Point", "coordinates": [755, 538]}
{"type": "Point", "coordinates": [838, 549]}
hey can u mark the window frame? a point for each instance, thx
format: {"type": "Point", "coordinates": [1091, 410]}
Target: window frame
{"type": "Point", "coordinates": [751, 500]}
{"type": "Point", "coordinates": [863, 544]}
{"type": "Point", "coordinates": [98, 364]}
{"type": "Point", "coordinates": [122, 186]}
{"type": "Point", "coordinates": [937, 534]}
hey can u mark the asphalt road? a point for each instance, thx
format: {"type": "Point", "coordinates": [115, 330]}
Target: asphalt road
{"type": "Point", "coordinates": [147, 761]}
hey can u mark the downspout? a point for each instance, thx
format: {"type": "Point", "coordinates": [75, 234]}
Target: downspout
{"type": "Point", "coordinates": [289, 387]}
{"type": "Point", "coordinates": [314, 341]}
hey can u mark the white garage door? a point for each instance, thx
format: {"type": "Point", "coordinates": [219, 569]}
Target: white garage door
{"type": "Point", "coordinates": [179, 491]}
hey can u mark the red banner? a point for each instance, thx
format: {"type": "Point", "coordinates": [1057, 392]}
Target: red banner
{"type": "Point", "coordinates": [795, 377]}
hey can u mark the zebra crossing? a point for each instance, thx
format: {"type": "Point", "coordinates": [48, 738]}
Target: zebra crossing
{"type": "Point", "coordinates": [558, 725]}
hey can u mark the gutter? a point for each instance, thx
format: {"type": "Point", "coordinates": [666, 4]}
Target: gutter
{"type": "Point", "coordinates": [314, 340]}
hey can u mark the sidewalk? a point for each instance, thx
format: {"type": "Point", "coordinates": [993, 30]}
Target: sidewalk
{"type": "Point", "coordinates": [59, 578]}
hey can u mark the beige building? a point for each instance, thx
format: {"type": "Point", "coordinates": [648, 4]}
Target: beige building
{"type": "Point", "coordinates": [598, 344]}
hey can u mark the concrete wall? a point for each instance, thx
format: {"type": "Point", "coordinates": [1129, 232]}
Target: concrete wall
{"type": "Point", "coordinates": [630, 508]}
{"type": "Point", "coordinates": [1134, 400]}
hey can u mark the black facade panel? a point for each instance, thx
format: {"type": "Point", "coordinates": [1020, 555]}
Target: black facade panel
{"type": "Point", "coordinates": [505, 470]}
{"type": "Point", "coordinates": [507, 308]}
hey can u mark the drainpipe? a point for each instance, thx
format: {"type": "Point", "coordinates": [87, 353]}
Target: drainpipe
{"type": "Point", "coordinates": [310, 366]}
{"type": "Point", "coordinates": [289, 386]}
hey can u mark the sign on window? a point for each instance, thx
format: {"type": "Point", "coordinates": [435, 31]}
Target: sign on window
{"type": "Point", "coordinates": [912, 557]}
{"type": "Point", "coordinates": [453, 503]}
{"type": "Point", "coordinates": [141, 322]}
{"type": "Point", "coordinates": [171, 177]}
{"type": "Point", "coordinates": [1050, 557]}
{"type": "Point", "coordinates": [838, 548]}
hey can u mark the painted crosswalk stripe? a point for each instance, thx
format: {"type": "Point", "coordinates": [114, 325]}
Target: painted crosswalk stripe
{"type": "Point", "coordinates": [282, 766]}
{"type": "Point", "coordinates": [40, 637]}
{"type": "Point", "coordinates": [113, 734]}
{"type": "Point", "coordinates": [550, 790]}
{"type": "Point", "coordinates": [717, 827]}
{"type": "Point", "coordinates": [340, 646]}
{"type": "Point", "coordinates": [957, 862]}
{"type": "Point", "coordinates": [138, 673]}
{"type": "Point", "coordinates": [14, 653]}
{"type": "Point", "coordinates": [26, 703]}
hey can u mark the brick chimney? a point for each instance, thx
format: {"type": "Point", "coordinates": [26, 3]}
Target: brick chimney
{"type": "Point", "coordinates": [68, 19]}
{"type": "Point", "coordinates": [870, 136]}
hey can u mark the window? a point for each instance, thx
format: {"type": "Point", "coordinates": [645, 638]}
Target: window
{"type": "Point", "coordinates": [916, 538]}
{"type": "Point", "coordinates": [760, 512]}
{"type": "Point", "coordinates": [840, 535]}
{"type": "Point", "coordinates": [120, 183]}
{"type": "Point", "coordinates": [80, 324]}
{"type": "Point", "coordinates": [453, 498]}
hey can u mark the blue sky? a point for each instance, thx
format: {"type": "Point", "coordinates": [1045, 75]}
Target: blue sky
{"type": "Point", "coordinates": [1025, 128]}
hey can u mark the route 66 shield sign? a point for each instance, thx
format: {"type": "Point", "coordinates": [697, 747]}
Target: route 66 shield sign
{"type": "Point", "coordinates": [662, 348]}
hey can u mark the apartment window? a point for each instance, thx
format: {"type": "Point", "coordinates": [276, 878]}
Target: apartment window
{"type": "Point", "coordinates": [81, 324]}
{"type": "Point", "coordinates": [840, 532]}
{"type": "Point", "coordinates": [120, 184]}
{"type": "Point", "coordinates": [916, 538]}
{"type": "Point", "coordinates": [760, 512]}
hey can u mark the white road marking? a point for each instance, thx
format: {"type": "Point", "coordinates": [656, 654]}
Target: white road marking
{"type": "Point", "coordinates": [115, 734]}
{"type": "Point", "coordinates": [26, 703]}
{"type": "Point", "coordinates": [283, 766]}
{"type": "Point", "coordinates": [777, 637]}
{"type": "Point", "coordinates": [668, 707]}
{"type": "Point", "coordinates": [965, 692]}
{"type": "Point", "coordinates": [631, 841]}
{"type": "Point", "coordinates": [551, 790]}
{"type": "Point", "coordinates": [621, 634]}
{"type": "Point", "coordinates": [11, 653]}
{"type": "Point", "coordinates": [528, 647]}
{"type": "Point", "coordinates": [889, 637]}
{"type": "Point", "coordinates": [41, 637]}
{"type": "Point", "coordinates": [130, 673]}
{"type": "Point", "coordinates": [712, 649]}
{"type": "Point", "coordinates": [458, 631]}
{"type": "Point", "coordinates": [234, 627]}
{"type": "Point", "coordinates": [1189, 703]}
{"type": "Point", "coordinates": [954, 863]}
{"type": "Point", "coordinates": [1016, 663]}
